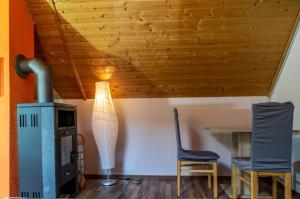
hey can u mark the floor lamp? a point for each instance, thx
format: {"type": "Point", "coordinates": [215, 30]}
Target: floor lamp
{"type": "Point", "coordinates": [105, 129]}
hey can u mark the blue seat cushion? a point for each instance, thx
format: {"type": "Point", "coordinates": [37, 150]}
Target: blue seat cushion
{"type": "Point", "coordinates": [243, 163]}
{"type": "Point", "coordinates": [203, 156]}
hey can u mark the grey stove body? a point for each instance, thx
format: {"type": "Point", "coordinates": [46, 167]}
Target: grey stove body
{"type": "Point", "coordinates": [47, 147]}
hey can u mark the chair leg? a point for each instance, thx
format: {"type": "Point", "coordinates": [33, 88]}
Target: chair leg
{"type": "Point", "coordinates": [274, 187]}
{"type": "Point", "coordinates": [209, 178]}
{"type": "Point", "coordinates": [178, 177]}
{"type": "Point", "coordinates": [233, 181]}
{"type": "Point", "coordinates": [209, 181]}
{"type": "Point", "coordinates": [288, 185]}
{"type": "Point", "coordinates": [215, 174]}
{"type": "Point", "coordinates": [254, 185]}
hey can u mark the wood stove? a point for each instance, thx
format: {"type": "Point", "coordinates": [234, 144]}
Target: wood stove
{"type": "Point", "coordinates": [47, 145]}
{"type": "Point", "coordinates": [47, 138]}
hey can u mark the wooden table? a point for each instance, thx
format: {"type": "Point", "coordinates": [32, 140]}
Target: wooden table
{"type": "Point", "coordinates": [241, 147]}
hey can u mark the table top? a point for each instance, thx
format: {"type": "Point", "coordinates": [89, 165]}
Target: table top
{"type": "Point", "coordinates": [229, 130]}
{"type": "Point", "coordinates": [236, 130]}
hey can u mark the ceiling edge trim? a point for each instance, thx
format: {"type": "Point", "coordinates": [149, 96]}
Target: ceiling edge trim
{"type": "Point", "coordinates": [70, 57]}
{"type": "Point", "coordinates": [285, 55]}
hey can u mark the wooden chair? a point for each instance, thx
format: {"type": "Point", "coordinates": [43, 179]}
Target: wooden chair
{"type": "Point", "coordinates": [189, 158]}
{"type": "Point", "coordinates": [271, 149]}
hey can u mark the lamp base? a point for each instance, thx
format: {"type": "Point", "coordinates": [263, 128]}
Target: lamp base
{"type": "Point", "coordinates": [109, 182]}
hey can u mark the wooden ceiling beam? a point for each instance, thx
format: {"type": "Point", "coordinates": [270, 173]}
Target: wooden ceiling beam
{"type": "Point", "coordinates": [71, 61]}
{"type": "Point", "coordinates": [30, 11]}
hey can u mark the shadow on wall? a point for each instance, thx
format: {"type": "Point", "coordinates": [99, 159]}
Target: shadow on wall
{"type": "Point", "coordinates": [144, 136]}
{"type": "Point", "coordinates": [121, 141]}
{"type": "Point", "coordinates": [199, 118]}
{"type": "Point", "coordinates": [92, 162]}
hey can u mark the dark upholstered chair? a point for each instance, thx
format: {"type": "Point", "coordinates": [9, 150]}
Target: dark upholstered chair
{"type": "Point", "coordinates": [188, 158]}
{"type": "Point", "coordinates": [271, 148]}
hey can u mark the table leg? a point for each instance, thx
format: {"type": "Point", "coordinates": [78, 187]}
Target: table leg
{"type": "Point", "coordinates": [241, 147]}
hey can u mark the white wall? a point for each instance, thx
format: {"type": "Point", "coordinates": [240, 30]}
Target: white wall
{"type": "Point", "coordinates": [146, 144]}
{"type": "Point", "coordinates": [288, 89]}
{"type": "Point", "coordinates": [288, 84]}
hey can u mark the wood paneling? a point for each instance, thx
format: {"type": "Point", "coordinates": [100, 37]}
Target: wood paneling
{"type": "Point", "coordinates": [160, 48]}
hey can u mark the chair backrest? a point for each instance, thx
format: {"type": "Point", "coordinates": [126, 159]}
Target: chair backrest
{"type": "Point", "coordinates": [177, 129]}
{"type": "Point", "coordinates": [272, 136]}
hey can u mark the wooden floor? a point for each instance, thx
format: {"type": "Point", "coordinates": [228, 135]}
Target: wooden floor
{"type": "Point", "coordinates": [162, 187]}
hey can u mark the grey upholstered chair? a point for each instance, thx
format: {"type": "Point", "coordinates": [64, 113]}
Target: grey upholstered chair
{"type": "Point", "coordinates": [271, 148]}
{"type": "Point", "coordinates": [188, 158]}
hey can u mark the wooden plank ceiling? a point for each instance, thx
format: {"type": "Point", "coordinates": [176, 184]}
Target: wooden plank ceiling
{"type": "Point", "coordinates": [164, 48]}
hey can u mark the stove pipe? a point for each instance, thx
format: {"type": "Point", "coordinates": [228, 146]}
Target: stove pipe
{"type": "Point", "coordinates": [24, 66]}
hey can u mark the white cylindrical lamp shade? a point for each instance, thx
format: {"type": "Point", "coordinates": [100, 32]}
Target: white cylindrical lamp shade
{"type": "Point", "coordinates": [105, 125]}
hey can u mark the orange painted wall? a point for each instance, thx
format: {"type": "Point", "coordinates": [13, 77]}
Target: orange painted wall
{"type": "Point", "coordinates": [16, 37]}
{"type": "Point", "coordinates": [21, 91]}
{"type": "Point", "coordinates": [4, 99]}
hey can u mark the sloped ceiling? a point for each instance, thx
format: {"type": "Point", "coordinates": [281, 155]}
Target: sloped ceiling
{"type": "Point", "coordinates": [164, 48]}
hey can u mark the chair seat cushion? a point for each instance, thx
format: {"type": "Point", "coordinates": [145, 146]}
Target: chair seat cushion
{"type": "Point", "coordinates": [205, 156]}
{"type": "Point", "coordinates": [243, 163]}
